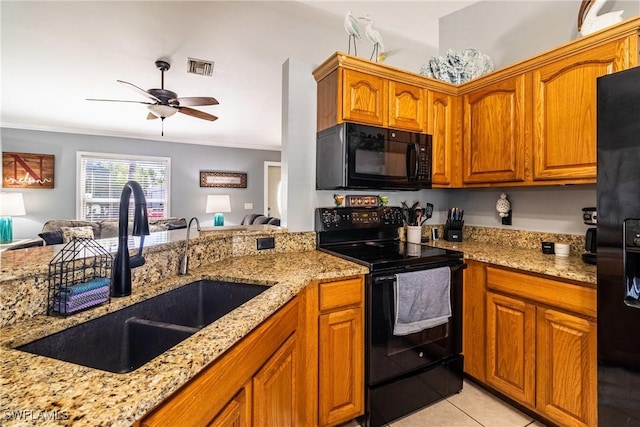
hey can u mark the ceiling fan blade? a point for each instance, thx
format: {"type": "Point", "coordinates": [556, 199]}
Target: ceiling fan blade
{"type": "Point", "coordinates": [139, 90]}
{"type": "Point", "coordinates": [151, 116]}
{"type": "Point", "coordinates": [194, 101]}
{"type": "Point", "coordinates": [197, 113]}
{"type": "Point", "coordinates": [119, 100]}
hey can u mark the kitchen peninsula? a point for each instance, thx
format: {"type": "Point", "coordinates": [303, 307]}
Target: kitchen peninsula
{"type": "Point", "coordinates": [93, 397]}
{"type": "Point", "coordinates": [83, 396]}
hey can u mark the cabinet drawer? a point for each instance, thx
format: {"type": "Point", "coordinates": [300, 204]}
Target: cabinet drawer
{"type": "Point", "coordinates": [568, 296]}
{"type": "Point", "coordinates": [340, 294]}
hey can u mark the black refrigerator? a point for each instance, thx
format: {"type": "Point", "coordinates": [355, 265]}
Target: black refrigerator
{"type": "Point", "coordinates": [618, 240]}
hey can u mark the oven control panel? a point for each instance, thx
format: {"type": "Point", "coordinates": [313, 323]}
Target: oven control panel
{"type": "Point", "coordinates": [349, 218]}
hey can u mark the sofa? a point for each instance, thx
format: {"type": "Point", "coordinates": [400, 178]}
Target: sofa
{"type": "Point", "coordinates": [54, 230]}
{"type": "Point", "coordinates": [251, 219]}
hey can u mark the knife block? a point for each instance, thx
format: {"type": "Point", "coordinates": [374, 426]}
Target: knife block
{"type": "Point", "coordinates": [453, 230]}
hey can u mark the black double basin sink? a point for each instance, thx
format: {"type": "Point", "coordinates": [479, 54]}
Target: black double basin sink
{"type": "Point", "coordinates": [126, 339]}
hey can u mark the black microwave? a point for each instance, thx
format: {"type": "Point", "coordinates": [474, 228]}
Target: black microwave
{"type": "Point", "coordinates": [354, 156]}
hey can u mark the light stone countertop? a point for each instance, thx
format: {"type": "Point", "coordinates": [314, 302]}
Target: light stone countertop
{"type": "Point", "coordinates": [528, 260]}
{"type": "Point", "coordinates": [90, 397]}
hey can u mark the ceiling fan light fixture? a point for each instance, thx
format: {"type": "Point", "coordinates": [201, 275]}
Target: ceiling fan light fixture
{"type": "Point", "coordinates": [162, 111]}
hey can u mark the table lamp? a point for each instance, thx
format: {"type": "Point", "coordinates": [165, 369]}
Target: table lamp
{"type": "Point", "coordinates": [11, 204]}
{"type": "Point", "coordinates": [218, 204]}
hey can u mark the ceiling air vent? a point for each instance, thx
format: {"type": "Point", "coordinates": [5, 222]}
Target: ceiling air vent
{"type": "Point", "coordinates": [200, 66]}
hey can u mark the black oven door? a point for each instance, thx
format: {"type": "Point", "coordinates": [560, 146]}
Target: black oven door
{"type": "Point", "coordinates": [387, 158]}
{"type": "Point", "coordinates": [391, 356]}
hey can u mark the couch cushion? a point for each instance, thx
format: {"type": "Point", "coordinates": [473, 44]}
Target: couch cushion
{"type": "Point", "coordinates": [69, 233]}
{"type": "Point", "coordinates": [57, 224]}
{"type": "Point", "coordinates": [51, 237]}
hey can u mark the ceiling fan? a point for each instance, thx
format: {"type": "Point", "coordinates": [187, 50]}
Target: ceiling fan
{"type": "Point", "coordinates": [165, 103]}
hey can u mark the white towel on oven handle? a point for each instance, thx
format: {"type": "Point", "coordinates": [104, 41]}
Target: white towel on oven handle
{"type": "Point", "coordinates": [422, 300]}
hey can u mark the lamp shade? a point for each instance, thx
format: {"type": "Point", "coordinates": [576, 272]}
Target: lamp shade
{"type": "Point", "coordinates": [218, 203]}
{"type": "Point", "coordinates": [11, 204]}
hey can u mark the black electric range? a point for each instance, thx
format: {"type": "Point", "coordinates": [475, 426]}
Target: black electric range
{"type": "Point", "coordinates": [402, 373]}
{"type": "Point", "coordinates": [369, 236]}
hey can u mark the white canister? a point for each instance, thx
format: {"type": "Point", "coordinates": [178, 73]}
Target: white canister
{"type": "Point", "coordinates": [414, 233]}
{"type": "Point", "coordinates": [562, 249]}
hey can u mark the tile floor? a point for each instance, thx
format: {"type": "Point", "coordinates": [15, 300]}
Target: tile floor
{"type": "Point", "coordinates": [472, 407]}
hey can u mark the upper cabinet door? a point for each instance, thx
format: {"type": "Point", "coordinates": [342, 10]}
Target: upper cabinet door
{"type": "Point", "coordinates": [363, 98]}
{"type": "Point", "coordinates": [494, 141]}
{"type": "Point", "coordinates": [564, 123]}
{"type": "Point", "coordinates": [443, 124]}
{"type": "Point", "coordinates": [407, 107]}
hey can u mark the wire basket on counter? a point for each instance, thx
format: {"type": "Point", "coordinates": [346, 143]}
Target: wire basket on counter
{"type": "Point", "coordinates": [79, 277]}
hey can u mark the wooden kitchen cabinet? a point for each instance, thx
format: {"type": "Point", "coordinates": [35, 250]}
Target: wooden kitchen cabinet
{"type": "Point", "coordinates": [333, 313]}
{"type": "Point", "coordinates": [564, 123]}
{"type": "Point", "coordinates": [444, 116]}
{"type": "Point", "coordinates": [511, 328]}
{"type": "Point", "coordinates": [541, 344]}
{"type": "Point", "coordinates": [407, 107]}
{"type": "Point", "coordinates": [566, 381]}
{"type": "Point", "coordinates": [370, 94]}
{"type": "Point", "coordinates": [364, 98]}
{"type": "Point", "coordinates": [274, 389]}
{"type": "Point", "coordinates": [474, 320]}
{"type": "Point", "coordinates": [495, 137]}
{"type": "Point", "coordinates": [236, 413]}
{"type": "Point", "coordinates": [256, 376]}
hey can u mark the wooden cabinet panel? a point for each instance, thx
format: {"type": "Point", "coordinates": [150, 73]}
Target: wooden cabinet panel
{"type": "Point", "coordinates": [443, 124]}
{"type": "Point", "coordinates": [237, 413]}
{"type": "Point", "coordinates": [473, 322]}
{"type": "Point", "coordinates": [565, 112]}
{"type": "Point", "coordinates": [407, 107]}
{"type": "Point", "coordinates": [575, 298]}
{"type": "Point", "coordinates": [341, 369]}
{"type": "Point", "coordinates": [566, 368]}
{"type": "Point", "coordinates": [363, 98]}
{"type": "Point", "coordinates": [339, 294]}
{"type": "Point", "coordinates": [274, 389]}
{"type": "Point", "coordinates": [511, 347]}
{"type": "Point", "coordinates": [495, 137]}
{"type": "Point", "coordinates": [200, 401]}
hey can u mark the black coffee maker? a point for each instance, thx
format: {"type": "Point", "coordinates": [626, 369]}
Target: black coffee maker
{"type": "Point", "coordinates": [590, 217]}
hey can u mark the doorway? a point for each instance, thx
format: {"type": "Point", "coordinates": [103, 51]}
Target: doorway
{"type": "Point", "coordinates": [272, 189]}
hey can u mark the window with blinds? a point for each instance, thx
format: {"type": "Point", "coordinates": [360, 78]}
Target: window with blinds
{"type": "Point", "coordinates": [101, 178]}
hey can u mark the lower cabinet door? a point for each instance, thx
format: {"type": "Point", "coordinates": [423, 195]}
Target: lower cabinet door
{"type": "Point", "coordinates": [567, 368]}
{"type": "Point", "coordinates": [511, 347]}
{"type": "Point", "coordinates": [341, 370]}
{"type": "Point", "coordinates": [237, 413]}
{"type": "Point", "coordinates": [274, 389]}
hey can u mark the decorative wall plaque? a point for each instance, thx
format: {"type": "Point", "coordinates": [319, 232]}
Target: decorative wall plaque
{"type": "Point", "coordinates": [223, 179]}
{"type": "Point", "coordinates": [27, 170]}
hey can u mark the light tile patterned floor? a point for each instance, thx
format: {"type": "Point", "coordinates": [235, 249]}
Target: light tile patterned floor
{"type": "Point", "coordinates": [472, 407]}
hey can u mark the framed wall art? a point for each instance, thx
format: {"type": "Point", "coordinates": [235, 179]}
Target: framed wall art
{"type": "Point", "coordinates": [223, 179]}
{"type": "Point", "coordinates": [27, 170]}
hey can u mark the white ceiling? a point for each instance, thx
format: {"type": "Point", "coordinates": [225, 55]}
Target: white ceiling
{"type": "Point", "coordinates": [56, 54]}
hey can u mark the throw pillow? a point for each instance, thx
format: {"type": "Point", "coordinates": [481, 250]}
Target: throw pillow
{"type": "Point", "coordinates": [69, 233]}
{"type": "Point", "coordinates": [52, 237]}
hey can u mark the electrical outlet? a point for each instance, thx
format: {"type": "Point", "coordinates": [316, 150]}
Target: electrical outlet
{"type": "Point", "coordinates": [265, 243]}
{"type": "Point", "coordinates": [248, 206]}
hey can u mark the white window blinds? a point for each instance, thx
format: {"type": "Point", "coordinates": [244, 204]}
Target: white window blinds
{"type": "Point", "coordinates": [101, 178]}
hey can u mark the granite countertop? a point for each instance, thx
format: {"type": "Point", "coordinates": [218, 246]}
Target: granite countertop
{"type": "Point", "coordinates": [528, 260]}
{"type": "Point", "coordinates": [43, 387]}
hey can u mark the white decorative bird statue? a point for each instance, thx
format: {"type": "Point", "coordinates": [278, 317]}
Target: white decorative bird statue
{"type": "Point", "coordinates": [589, 21]}
{"type": "Point", "coordinates": [374, 37]}
{"type": "Point", "coordinates": [351, 27]}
